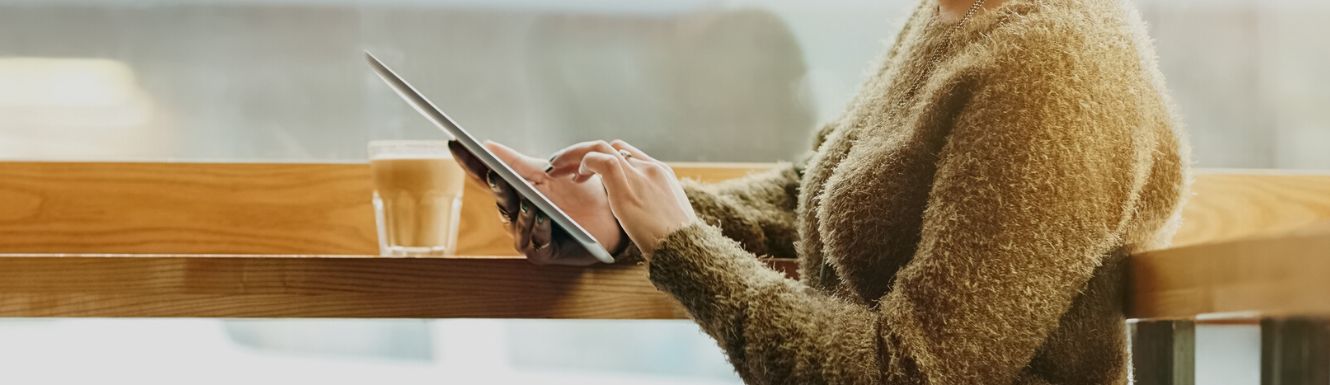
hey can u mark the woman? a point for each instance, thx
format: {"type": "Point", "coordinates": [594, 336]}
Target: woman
{"type": "Point", "coordinates": [963, 222]}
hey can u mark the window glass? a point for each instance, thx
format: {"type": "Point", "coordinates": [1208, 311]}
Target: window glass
{"type": "Point", "coordinates": [686, 80]}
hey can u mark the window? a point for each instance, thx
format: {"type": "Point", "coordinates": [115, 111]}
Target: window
{"type": "Point", "coordinates": [690, 80]}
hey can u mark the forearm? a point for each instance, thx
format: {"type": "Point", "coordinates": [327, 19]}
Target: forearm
{"type": "Point", "coordinates": [942, 323]}
{"type": "Point", "coordinates": [774, 329]}
{"type": "Point", "coordinates": [757, 210]}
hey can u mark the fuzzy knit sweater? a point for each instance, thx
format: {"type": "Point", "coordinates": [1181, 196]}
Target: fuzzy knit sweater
{"type": "Point", "coordinates": [965, 221]}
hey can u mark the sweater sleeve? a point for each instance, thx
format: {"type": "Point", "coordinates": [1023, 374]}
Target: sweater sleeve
{"type": "Point", "coordinates": [756, 210]}
{"type": "Point", "coordinates": [1030, 193]}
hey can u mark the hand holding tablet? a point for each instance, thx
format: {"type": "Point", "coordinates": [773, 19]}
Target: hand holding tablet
{"type": "Point", "coordinates": [583, 199]}
{"type": "Point", "coordinates": [534, 235]}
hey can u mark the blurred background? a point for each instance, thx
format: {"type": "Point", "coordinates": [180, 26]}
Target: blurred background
{"type": "Point", "coordinates": [686, 80]}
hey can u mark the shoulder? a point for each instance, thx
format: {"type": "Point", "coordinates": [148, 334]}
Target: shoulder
{"type": "Point", "coordinates": [1072, 59]}
{"type": "Point", "coordinates": [1033, 38]}
{"type": "Point", "coordinates": [1064, 82]}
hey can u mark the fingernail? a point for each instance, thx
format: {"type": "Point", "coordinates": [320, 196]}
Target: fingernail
{"type": "Point", "coordinates": [548, 169]}
{"type": "Point", "coordinates": [525, 207]}
{"type": "Point", "coordinates": [540, 219]}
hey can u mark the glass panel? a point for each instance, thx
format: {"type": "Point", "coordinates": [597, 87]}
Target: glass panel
{"type": "Point", "coordinates": [690, 80]}
{"type": "Point", "coordinates": [281, 80]}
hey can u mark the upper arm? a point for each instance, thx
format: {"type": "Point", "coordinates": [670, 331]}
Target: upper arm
{"type": "Point", "coordinates": [1032, 190]}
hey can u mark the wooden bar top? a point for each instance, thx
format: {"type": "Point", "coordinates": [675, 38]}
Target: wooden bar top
{"type": "Point", "coordinates": [80, 239]}
{"type": "Point", "coordinates": [1287, 274]}
{"type": "Point", "coordinates": [1282, 274]}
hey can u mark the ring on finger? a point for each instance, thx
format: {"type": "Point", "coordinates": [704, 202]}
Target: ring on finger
{"type": "Point", "coordinates": [491, 179]}
{"type": "Point", "coordinates": [625, 153]}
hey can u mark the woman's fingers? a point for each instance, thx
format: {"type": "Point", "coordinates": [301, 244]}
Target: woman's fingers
{"type": "Point", "coordinates": [649, 169]}
{"type": "Point", "coordinates": [505, 197]}
{"type": "Point", "coordinates": [528, 168]}
{"type": "Point", "coordinates": [541, 248]}
{"type": "Point", "coordinates": [522, 228]}
{"type": "Point", "coordinates": [636, 153]}
{"type": "Point", "coordinates": [612, 169]}
{"type": "Point", "coordinates": [470, 163]}
{"type": "Point", "coordinates": [569, 160]}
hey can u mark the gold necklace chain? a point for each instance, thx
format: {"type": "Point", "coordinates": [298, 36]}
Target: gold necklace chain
{"type": "Point", "coordinates": [974, 8]}
{"type": "Point", "coordinates": [934, 55]}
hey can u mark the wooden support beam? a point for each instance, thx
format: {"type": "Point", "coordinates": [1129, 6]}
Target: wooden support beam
{"type": "Point", "coordinates": [1295, 351]}
{"type": "Point", "coordinates": [1163, 352]}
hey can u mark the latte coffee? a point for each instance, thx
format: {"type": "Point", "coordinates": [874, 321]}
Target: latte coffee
{"type": "Point", "coordinates": [417, 198]}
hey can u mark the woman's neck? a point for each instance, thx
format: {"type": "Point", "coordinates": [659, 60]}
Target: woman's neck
{"type": "Point", "coordinates": [953, 10]}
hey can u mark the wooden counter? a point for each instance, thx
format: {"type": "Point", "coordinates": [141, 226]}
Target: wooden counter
{"type": "Point", "coordinates": [1283, 274]}
{"type": "Point", "coordinates": [292, 240]}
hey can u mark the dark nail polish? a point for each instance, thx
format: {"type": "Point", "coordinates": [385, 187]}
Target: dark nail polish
{"type": "Point", "coordinates": [548, 169]}
{"type": "Point", "coordinates": [540, 220]}
{"type": "Point", "coordinates": [525, 207]}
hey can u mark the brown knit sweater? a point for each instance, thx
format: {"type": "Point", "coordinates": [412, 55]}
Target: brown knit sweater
{"type": "Point", "coordinates": [968, 229]}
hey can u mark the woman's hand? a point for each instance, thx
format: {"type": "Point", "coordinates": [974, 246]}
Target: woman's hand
{"type": "Point", "coordinates": [643, 192]}
{"type": "Point", "coordinates": [533, 234]}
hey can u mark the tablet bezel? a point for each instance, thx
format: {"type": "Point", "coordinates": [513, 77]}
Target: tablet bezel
{"type": "Point", "coordinates": [523, 188]}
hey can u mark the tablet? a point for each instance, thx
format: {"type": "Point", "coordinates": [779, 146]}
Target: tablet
{"type": "Point", "coordinates": [525, 189]}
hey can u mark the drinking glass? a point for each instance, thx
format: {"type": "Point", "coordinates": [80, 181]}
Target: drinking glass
{"type": "Point", "coordinates": [417, 197]}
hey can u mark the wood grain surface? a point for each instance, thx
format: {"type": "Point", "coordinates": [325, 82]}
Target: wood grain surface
{"type": "Point", "coordinates": [324, 286]}
{"type": "Point", "coordinates": [237, 208]}
{"type": "Point", "coordinates": [185, 208]}
{"type": "Point", "coordinates": [294, 241]}
{"type": "Point", "coordinates": [222, 208]}
{"type": "Point", "coordinates": [1229, 204]}
{"type": "Point", "coordinates": [1268, 275]}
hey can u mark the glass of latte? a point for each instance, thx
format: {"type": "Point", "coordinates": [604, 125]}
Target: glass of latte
{"type": "Point", "coordinates": [417, 197]}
